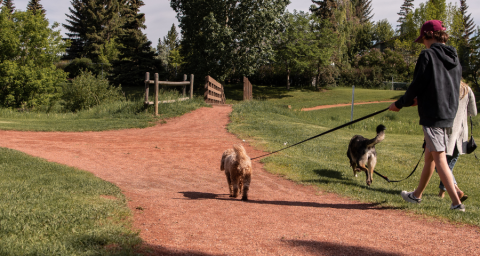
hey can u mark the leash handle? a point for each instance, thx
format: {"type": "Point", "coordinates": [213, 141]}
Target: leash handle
{"type": "Point", "coordinates": [321, 134]}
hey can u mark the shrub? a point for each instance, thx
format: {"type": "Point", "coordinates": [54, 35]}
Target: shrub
{"type": "Point", "coordinates": [77, 66]}
{"type": "Point", "coordinates": [87, 90]}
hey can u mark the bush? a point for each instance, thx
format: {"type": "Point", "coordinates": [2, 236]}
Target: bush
{"type": "Point", "coordinates": [87, 90]}
{"type": "Point", "coordinates": [77, 66]}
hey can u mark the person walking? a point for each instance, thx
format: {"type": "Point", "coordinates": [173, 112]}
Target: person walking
{"type": "Point", "coordinates": [435, 88]}
{"type": "Point", "coordinates": [457, 140]}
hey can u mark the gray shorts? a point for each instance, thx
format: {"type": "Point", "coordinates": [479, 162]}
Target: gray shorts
{"type": "Point", "coordinates": [436, 138]}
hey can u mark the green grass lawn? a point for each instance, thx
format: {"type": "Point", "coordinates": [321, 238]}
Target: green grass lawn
{"type": "Point", "coordinates": [322, 162]}
{"type": "Point", "coordinates": [51, 209]}
{"type": "Point", "coordinates": [307, 98]}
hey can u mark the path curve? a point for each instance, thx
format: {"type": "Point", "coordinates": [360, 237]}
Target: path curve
{"type": "Point", "coordinates": [172, 171]}
{"type": "Point", "coordinates": [343, 105]}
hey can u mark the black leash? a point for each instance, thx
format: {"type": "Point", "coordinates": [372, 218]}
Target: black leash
{"type": "Point", "coordinates": [414, 169]}
{"type": "Point", "coordinates": [329, 131]}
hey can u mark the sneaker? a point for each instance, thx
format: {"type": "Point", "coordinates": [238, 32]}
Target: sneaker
{"type": "Point", "coordinates": [409, 197]}
{"type": "Point", "coordinates": [460, 207]}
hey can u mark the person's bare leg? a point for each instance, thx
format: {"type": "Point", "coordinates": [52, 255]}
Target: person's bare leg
{"type": "Point", "coordinates": [445, 175]}
{"type": "Point", "coordinates": [427, 173]}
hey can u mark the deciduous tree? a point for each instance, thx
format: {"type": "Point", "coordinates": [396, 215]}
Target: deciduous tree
{"type": "Point", "coordinates": [221, 38]}
{"type": "Point", "coordinates": [28, 50]}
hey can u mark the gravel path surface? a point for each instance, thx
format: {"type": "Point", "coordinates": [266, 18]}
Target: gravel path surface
{"type": "Point", "coordinates": [172, 172]}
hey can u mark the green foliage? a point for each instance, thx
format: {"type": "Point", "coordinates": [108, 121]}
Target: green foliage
{"type": "Point", "coordinates": [136, 55]}
{"type": "Point", "coordinates": [91, 25]}
{"type": "Point", "coordinates": [305, 46]}
{"type": "Point", "coordinates": [474, 64]}
{"type": "Point", "coordinates": [372, 68]}
{"type": "Point", "coordinates": [226, 37]}
{"type": "Point", "coordinates": [77, 66]}
{"type": "Point", "coordinates": [87, 91]}
{"type": "Point", "coordinates": [35, 7]}
{"type": "Point", "coordinates": [51, 209]}
{"type": "Point", "coordinates": [28, 49]}
{"type": "Point", "coordinates": [9, 5]}
{"type": "Point", "coordinates": [382, 31]}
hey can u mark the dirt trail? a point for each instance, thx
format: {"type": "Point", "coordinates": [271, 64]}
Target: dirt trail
{"type": "Point", "coordinates": [173, 172]}
{"type": "Point", "coordinates": [344, 105]}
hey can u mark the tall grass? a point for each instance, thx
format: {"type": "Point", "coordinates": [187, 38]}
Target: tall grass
{"type": "Point", "coordinates": [323, 162]}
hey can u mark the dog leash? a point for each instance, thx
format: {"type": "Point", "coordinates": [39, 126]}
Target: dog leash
{"type": "Point", "coordinates": [321, 134]}
{"type": "Point", "coordinates": [414, 169]}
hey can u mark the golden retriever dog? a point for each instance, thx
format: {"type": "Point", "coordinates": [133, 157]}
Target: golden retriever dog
{"type": "Point", "coordinates": [362, 153]}
{"type": "Point", "coordinates": [238, 169]}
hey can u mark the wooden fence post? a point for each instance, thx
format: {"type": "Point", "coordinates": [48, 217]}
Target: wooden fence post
{"type": "Point", "coordinates": [191, 86]}
{"type": "Point", "coordinates": [156, 94]}
{"type": "Point", "coordinates": [147, 88]}
{"type": "Point", "coordinates": [184, 87]}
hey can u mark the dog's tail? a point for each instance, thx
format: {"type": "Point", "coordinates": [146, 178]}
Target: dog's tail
{"type": "Point", "coordinates": [380, 136]}
{"type": "Point", "coordinates": [222, 164]}
{"type": "Point", "coordinates": [241, 156]}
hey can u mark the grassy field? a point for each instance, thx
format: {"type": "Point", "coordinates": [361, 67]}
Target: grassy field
{"type": "Point", "coordinates": [306, 98]}
{"type": "Point", "coordinates": [51, 209]}
{"type": "Point", "coordinates": [322, 162]}
{"type": "Point", "coordinates": [112, 116]}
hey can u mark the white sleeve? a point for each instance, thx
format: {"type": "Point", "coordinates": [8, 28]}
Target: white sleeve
{"type": "Point", "coordinates": [472, 104]}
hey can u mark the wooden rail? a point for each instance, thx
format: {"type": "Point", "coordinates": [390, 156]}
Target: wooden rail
{"type": "Point", "coordinates": [247, 89]}
{"type": "Point", "coordinates": [165, 83]}
{"type": "Point", "coordinates": [213, 91]}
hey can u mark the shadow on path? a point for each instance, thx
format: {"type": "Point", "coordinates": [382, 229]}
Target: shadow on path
{"type": "Point", "coordinates": [363, 206]}
{"type": "Point", "coordinates": [327, 248]}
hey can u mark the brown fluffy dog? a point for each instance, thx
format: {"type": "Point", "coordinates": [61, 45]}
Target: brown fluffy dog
{"type": "Point", "coordinates": [238, 169]}
{"type": "Point", "coordinates": [362, 153]}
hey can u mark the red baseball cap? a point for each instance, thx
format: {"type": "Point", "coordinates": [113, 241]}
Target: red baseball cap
{"type": "Point", "coordinates": [429, 26]}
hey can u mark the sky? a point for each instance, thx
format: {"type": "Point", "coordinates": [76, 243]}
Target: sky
{"type": "Point", "coordinates": [160, 16]}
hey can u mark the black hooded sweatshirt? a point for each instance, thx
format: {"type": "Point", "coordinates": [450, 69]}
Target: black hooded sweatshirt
{"type": "Point", "coordinates": [436, 84]}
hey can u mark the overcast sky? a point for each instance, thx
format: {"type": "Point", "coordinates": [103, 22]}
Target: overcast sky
{"type": "Point", "coordinates": [160, 16]}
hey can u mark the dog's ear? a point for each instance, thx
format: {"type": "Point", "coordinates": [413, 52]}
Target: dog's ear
{"type": "Point", "coordinates": [381, 128]}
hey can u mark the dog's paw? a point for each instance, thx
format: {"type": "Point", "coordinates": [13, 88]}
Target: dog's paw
{"type": "Point", "coordinates": [356, 175]}
{"type": "Point", "coordinates": [244, 198]}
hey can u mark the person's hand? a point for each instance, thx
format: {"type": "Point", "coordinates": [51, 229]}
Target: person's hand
{"type": "Point", "coordinates": [393, 107]}
{"type": "Point", "coordinates": [415, 103]}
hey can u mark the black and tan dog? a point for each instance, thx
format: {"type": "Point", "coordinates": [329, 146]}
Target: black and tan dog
{"type": "Point", "coordinates": [362, 153]}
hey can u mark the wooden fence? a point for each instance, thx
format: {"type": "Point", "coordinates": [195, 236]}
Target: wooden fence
{"type": "Point", "coordinates": [166, 83]}
{"type": "Point", "coordinates": [214, 93]}
{"type": "Point", "coordinates": [247, 89]}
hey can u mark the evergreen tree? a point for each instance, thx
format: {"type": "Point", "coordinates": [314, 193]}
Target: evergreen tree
{"type": "Point", "coordinates": [406, 8]}
{"type": "Point", "coordinates": [168, 52]}
{"type": "Point", "coordinates": [9, 5]}
{"type": "Point", "coordinates": [469, 26]}
{"type": "Point", "coordinates": [325, 9]}
{"type": "Point", "coordinates": [92, 25]}
{"type": "Point", "coordinates": [35, 7]}
{"type": "Point", "coordinates": [77, 27]}
{"type": "Point", "coordinates": [363, 10]}
{"type": "Point", "coordinates": [171, 40]}
{"type": "Point", "coordinates": [136, 55]}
